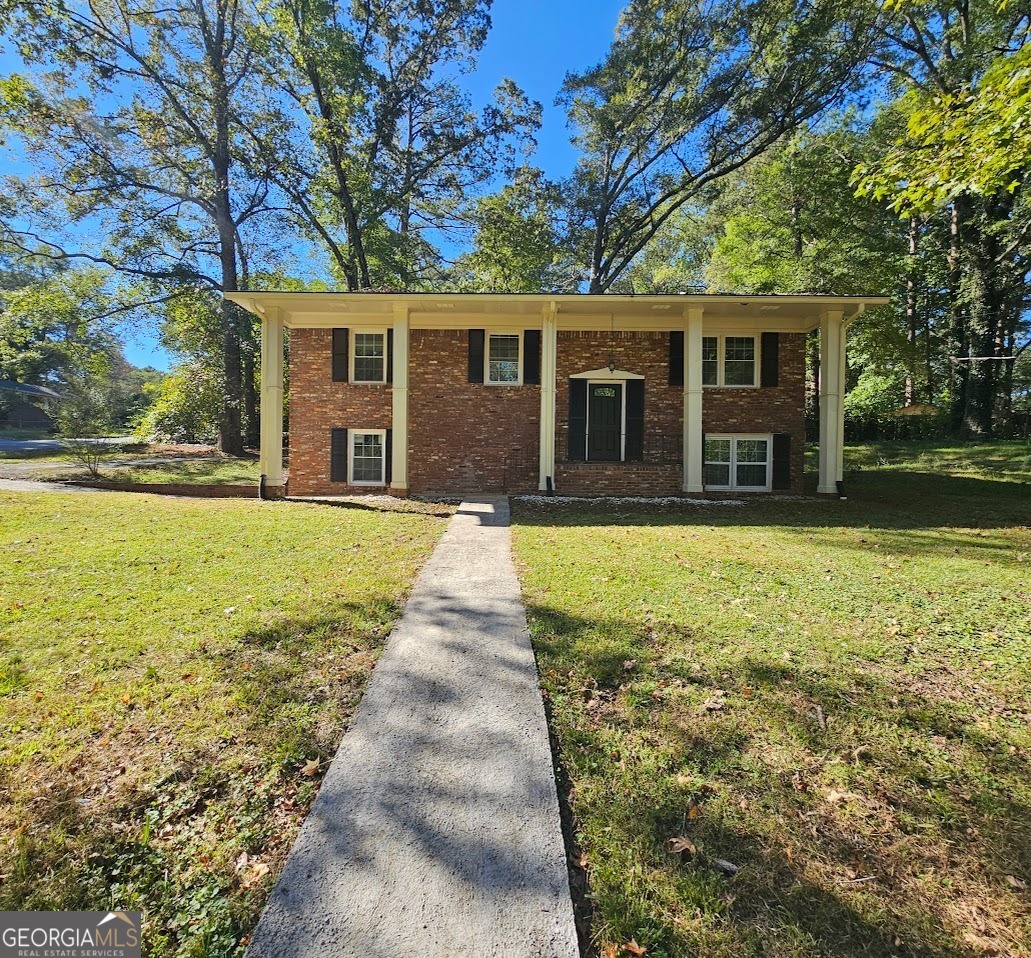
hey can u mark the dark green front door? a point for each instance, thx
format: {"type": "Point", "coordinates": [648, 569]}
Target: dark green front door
{"type": "Point", "coordinates": [604, 422]}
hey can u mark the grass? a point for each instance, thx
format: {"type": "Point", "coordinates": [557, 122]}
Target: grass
{"type": "Point", "coordinates": [796, 728]}
{"type": "Point", "coordinates": [174, 677]}
{"type": "Point", "coordinates": [204, 472]}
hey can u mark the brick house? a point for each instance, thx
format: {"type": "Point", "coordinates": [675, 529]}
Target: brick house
{"type": "Point", "coordinates": [577, 394]}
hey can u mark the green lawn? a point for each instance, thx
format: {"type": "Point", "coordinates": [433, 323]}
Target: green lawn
{"type": "Point", "coordinates": [204, 472]}
{"type": "Point", "coordinates": [174, 677]}
{"type": "Point", "coordinates": [797, 728]}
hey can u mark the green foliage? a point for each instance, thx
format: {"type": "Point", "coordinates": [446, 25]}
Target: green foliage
{"type": "Point", "coordinates": [186, 408]}
{"type": "Point", "coordinates": [517, 246]}
{"type": "Point", "coordinates": [687, 94]}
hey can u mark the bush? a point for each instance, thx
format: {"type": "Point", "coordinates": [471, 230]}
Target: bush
{"type": "Point", "coordinates": [186, 409]}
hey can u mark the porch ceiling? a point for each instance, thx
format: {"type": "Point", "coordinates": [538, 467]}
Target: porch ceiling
{"type": "Point", "coordinates": [575, 311]}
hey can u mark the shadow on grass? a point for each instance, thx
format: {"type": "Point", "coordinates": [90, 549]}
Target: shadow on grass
{"type": "Point", "coordinates": [162, 831]}
{"type": "Point", "coordinates": [910, 856]}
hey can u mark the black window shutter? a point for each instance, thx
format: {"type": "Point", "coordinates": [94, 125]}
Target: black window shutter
{"type": "Point", "coordinates": [676, 358]}
{"type": "Point", "coordinates": [769, 371]}
{"type": "Point", "coordinates": [476, 340]}
{"type": "Point", "coordinates": [634, 420]}
{"type": "Point", "coordinates": [390, 355]}
{"type": "Point", "coordinates": [388, 471]}
{"type": "Point", "coordinates": [341, 345]}
{"type": "Point", "coordinates": [782, 460]}
{"type": "Point", "coordinates": [532, 357]}
{"type": "Point", "coordinates": [338, 456]}
{"type": "Point", "coordinates": [577, 420]}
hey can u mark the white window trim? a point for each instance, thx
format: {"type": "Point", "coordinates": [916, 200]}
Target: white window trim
{"type": "Point", "coordinates": [386, 359]}
{"type": "Point", "coordinates": [351, 433]}
{"type": "Point", "coordinates": [518, 333]}
{"type": "Point", "coordinates": [721, 355]}
{"type": "Point", "coordinates": [733, 437]}
{"type": "Point", "coordinates": [622, 419]}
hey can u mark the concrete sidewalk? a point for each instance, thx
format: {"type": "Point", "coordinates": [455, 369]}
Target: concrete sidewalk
{"type": "Point", "coordinates": [436, 832]}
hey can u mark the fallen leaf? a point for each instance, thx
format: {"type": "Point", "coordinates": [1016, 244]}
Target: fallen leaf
{"type": "Point", "coordinates": [834, 796]}
{"type": "Point", "coordinates": [310, 767]}
{"type": "Point", "coordinates": [634, 948]}
{"type": "Point", "coordinates": [125, 699]}
{"type": "Point", "coordinates": [728, 868]}
{"type": "Point", "coordinates": [682, 846]}
{"type": "Point", "coordinates": [610, 950]}
{"type": "Point", "coordinates": [1015, 882]}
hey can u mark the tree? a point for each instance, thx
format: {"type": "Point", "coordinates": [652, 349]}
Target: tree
{"type": "Point", "coordinates": [688, 93]}
{"type": "Point", "coordinates": [518, 244]}
{"type": "Point", "coordinates": [951, 63]}
{"type": "Point", "coordinates": [379, 149]}
{"type": "Point", "coordinates": [137, 145]}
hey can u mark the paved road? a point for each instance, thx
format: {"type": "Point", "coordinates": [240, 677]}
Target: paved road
{"type": "Point", "coordinates": [436, 832]}
{"type": "Point", "coordinates": [52, 445]}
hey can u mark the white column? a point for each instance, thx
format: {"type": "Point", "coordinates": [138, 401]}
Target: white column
{"type": "Point", "coordinates": [399, 393]}
{"type": "Point", "coordinates": [549, 370]}
{"type": "Point", "coordinates": [693, 453]}
{"type": "Point", "coordinates": [271, 446]}
{"type": "Point", "coordinates": [832, 388]}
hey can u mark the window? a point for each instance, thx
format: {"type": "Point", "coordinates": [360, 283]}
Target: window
{"type": "Point", "coordinates": [503, 358]}
{"type": "Point", "coordinates": [367, 462]}
{"type": "Point", "coordinates": [370, 358]}
{"type": "Point", "coordinates": [737, 462]}
{"type": "Point", "coordinates": [729, 360]}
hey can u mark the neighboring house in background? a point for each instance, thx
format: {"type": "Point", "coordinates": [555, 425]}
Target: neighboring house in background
{"type": "Point", "coordinates": [19, 411]}
{"type": "Point", "coordinates": [576, 394]}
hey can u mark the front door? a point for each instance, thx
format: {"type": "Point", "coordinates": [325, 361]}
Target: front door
{"type": "Point", "coordinates": [605, 422]}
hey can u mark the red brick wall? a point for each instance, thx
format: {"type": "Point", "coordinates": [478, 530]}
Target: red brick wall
{"type": "Point", "coordinates": [646, 354]}
{"type": "Point", "coordinates": [462, 434]}
{"type": "Point", "coordinates": [771, 409]}
{"type": "Point", "coordinates": [318, 405]}
{"type": "Point", "coordinates": [617, 479]}
{"type": "Point", "coordinates": [466, 437]}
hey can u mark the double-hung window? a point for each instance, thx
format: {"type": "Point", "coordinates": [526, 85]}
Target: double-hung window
{"type": "Point", "coordinates": [367, 454]}
{"type": "Point", "coordinates": [504, 358]}
{"type": "Point", "coordinates": [369, 352]}
{"type": "Point", "coordinates": [738, 462]}
{"type": "Point", "coordinates": [729, 360]}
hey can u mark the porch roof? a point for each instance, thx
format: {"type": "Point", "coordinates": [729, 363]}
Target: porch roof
{"type": "Point", "coordinates": [776, 312]}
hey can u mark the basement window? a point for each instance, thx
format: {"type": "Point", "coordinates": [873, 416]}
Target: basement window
{"type": "Point", "coordinates": [367, 457]}
{"type": "Point", "coordinates": [738, 463]}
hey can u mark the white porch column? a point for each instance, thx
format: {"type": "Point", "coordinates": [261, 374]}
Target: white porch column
{"type": "Point", "coordinates": [832, 409]}
{"type": "Point", "coordinates": [399, 394]}
{"type": "Point", "coordinates": [693, 453]}
{"type": "Point", "coordinates": [270, 457]}
{"type": "Point", "coordinates": [549, 370]}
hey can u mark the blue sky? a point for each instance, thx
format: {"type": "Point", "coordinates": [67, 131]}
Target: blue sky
{"type": "Point", "coordinates": [533, 42]}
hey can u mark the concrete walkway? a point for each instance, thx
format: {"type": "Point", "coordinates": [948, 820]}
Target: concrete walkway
{"type": "Point", "coordinates": [436, 832]}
